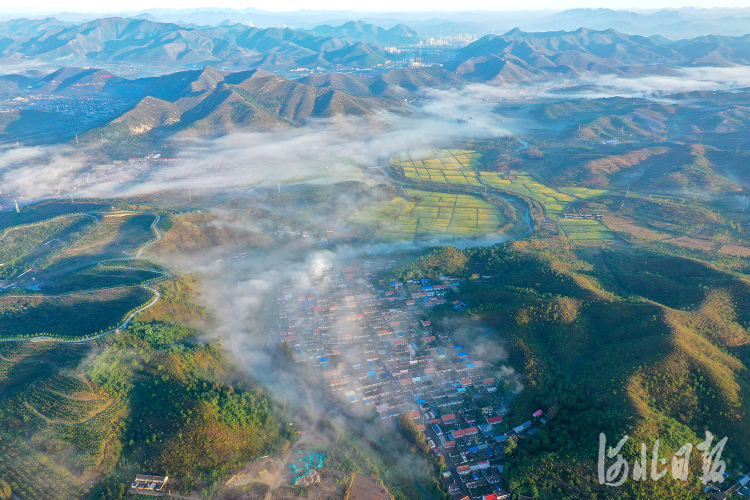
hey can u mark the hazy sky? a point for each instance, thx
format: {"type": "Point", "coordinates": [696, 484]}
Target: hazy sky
{"type": "Point", "coordinates": [382, 5]}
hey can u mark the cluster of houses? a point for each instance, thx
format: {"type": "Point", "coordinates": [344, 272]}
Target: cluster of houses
{"type": "Point", "coordinates": [473, 441]}
{"type": "Point", "coordinates": [738, 489]}
{"type": "Point", "coordinates": [368, 337]}
{"type": "Point", "coordinates": [583, 216]}
{"type": "Point", "coordinates": [376, 348]}
{"type": "Point", "coordinates": [68, 180]}
{"type": "Point", "coordinates": [90, 107]}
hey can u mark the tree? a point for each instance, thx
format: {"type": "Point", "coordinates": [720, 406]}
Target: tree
{"type": "Point", "coordinates": [533, 153]}
{"type": "Point", "coordinates": [5, 490]}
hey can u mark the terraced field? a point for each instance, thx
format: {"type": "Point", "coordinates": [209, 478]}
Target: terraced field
{"type": "Point", "coordinates": [426, 214]}
{"type": "Point", "coordinates": [586, 229]}
{"type": "Point", "coordinates": [378, 215]}
{"type": "Point", "coordinates": [32, 474]}
{"type": "Point", "coordinates": [62, 408]}
{"type": "Point", "coordinates": [22, 247]}
{"type": "Point", "coordinates": [72, 386]}
{"type": "Point", "coordinates": [116, 235]}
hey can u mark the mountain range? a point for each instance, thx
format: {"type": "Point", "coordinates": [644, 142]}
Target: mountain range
{"type": "Point", "coordinates": [671, 23]}
{"type": "Point", "coordinates": [143, 42]}
{"type": "Point", "coordinates": [361, 31]}
{"type": "Point", "coordinates": [204, 101]}
{"type": "Point", "coordinates": [511, 57]}
{"type": "Point", "coordinates": [520, 56]}
{"type": "Point", "coordinates": [213, 99]}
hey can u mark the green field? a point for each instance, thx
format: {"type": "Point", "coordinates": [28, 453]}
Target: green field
{"type": "Point", "coordinates": [97, 277]}
{"type": "Point", "coordinates": [45, 210]}
{"type": "Point", "coordinates": [554, 202]}
{"type": "Point", "coordinates": [453, 159]}
{"type": "Point", "coordinates": [77, 413]}
{"type": "Point", "coordinates": [458, 167]}
{"type": "Point", "coordinates": [32, 474]}
{"type": "Point", "coordinates": [586, 229]}
{"type": "Point", "coordinates": [429, 214]}
{"type": "Point", "coordinates": [117, 235]}
{"type": "Point", "coordinates": [73, 386]}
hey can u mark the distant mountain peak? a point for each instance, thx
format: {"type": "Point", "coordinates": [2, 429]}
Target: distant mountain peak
{"type": "Point", "coordinates": [515, 32]}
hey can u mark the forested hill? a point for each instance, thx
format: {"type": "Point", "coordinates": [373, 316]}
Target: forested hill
{"type": "Point", "coordinates": [617, 341]}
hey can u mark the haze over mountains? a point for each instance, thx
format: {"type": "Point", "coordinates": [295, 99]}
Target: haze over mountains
{"type": "Point", "coordinates": [520, 56]}
{"type": "Point", "coordinates": [234, 76]}
{"type": "Point", "coordinates": [514, 56]}
{"type": "Point", "coordinates": [363, 32]}
{"type": "Point", "coordinates": [671, 23]}
{"type": "Point", "coordinates": [231, 228]}
{"type": "Point", "coordinates": [138, 41]}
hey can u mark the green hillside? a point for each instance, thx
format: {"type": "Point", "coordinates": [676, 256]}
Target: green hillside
{"type": "Point", "coordinates": [639, 343]}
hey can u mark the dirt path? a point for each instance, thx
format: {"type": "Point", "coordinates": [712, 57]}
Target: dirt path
{"type": "Point", "coordinates": [393, 219]}
{"type": "Point", "coordinates": [304, 438]}
{"type": "Point", "coordinates": [158, 238]}
{"type": "Point", "coordinates": [687, 235]}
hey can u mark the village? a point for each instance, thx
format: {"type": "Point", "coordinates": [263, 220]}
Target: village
{"type": "Point", "coordinates": [89, 107]}
{"type": "Point", "coordinates": [376, 352]}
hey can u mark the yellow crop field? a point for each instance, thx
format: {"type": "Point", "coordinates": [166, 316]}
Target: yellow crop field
{"type": "Point", "coordinates": [377, 214]}
{"type": "Point", "coordinates": [584, 193]}
{"type": "Point", "coordinates": [458, 167]}
{"type": "Point", "coordinates": [553, 201]}
{"type": "Point", "coordinates": [428, 214]}
{"type": "Point", "coordinates": [448, 166]}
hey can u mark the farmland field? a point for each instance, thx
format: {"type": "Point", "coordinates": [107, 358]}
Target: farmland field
{"type": "Point", "coordinates": [448, 166]}
{"type": "Point", "coordinates": [97, 277]}
{"type": "Point", "coordinates": [116, 235]}
{"type": "Point", "coordinates": [634, 229]}
{"type": "Point", "coordinates": [586, 229]}
{"type": "Point", "coordinates": [458, 167]}
{"type": "Point", "coordinates": [73, 386]}
{"type": "Point", "coordinates": [32, 474]}
{"type": "Point", "coordinates": [426, 214]}
{"type": "Point", "coordinates": [554, 202]}
{"type": "Point", "coordinates": [378, 214]}
{"type": "Point", "coordinates": [47, 210]}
